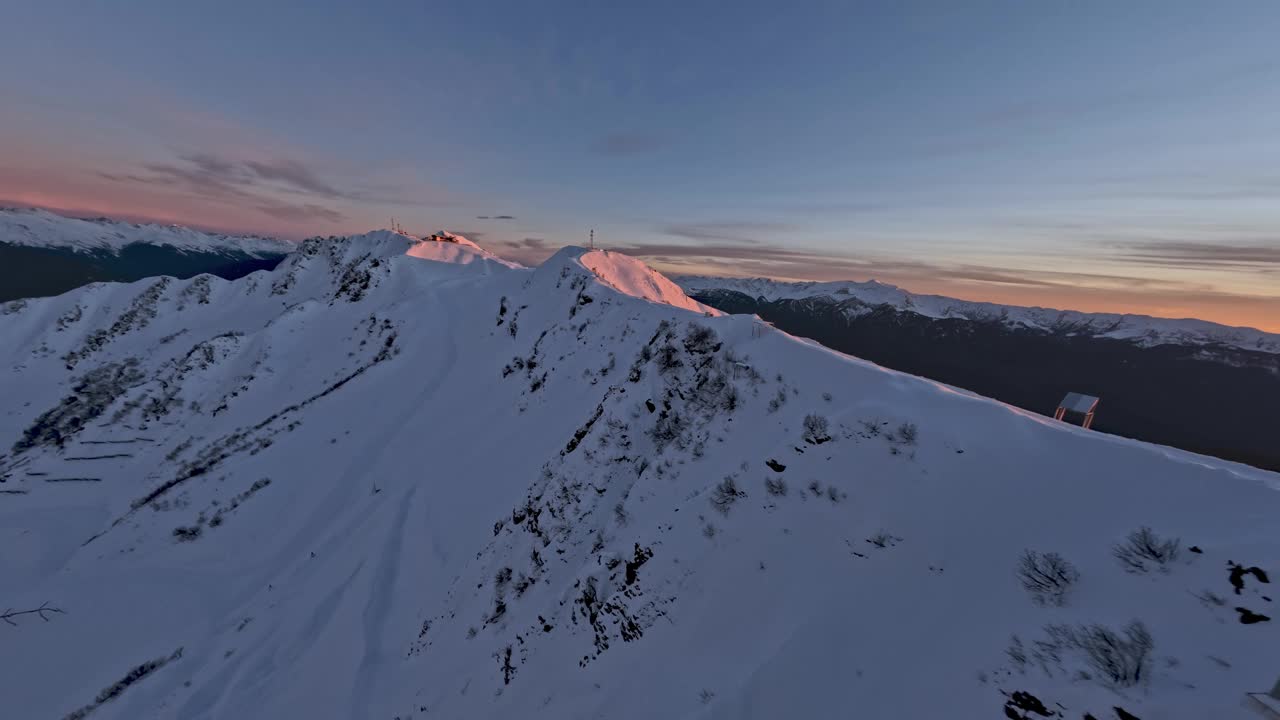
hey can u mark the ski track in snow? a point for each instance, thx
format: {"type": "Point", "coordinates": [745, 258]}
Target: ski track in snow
{"type": "Point", "coordinates": [349, 490]}
{"type": "Point", "coordinates": [375, 613]}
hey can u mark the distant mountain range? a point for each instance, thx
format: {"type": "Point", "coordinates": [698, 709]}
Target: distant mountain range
{"type": "Point", "coordinates": [1192, 384]}
{"type": "Point", "coordinates": [44, 254]}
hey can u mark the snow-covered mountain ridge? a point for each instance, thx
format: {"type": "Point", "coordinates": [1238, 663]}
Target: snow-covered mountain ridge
{"type": "Point", "coordinates": [861, 297]}
{"type": "Point", "coordinates": [41, 228]}
{"type": "Point", "coordinates": [397, 477]}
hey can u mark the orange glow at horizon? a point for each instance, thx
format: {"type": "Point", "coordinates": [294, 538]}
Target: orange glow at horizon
{"type": "Point", "coordinates": [1248, 311]}
{"type": "Point", "coordinates": [86, 195]}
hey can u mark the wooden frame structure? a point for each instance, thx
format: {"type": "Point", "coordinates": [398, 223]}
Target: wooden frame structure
{"type": "Point", "coordinates": [1078, 404]}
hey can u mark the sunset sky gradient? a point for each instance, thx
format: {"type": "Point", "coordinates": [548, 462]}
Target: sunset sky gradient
{"type": "Point", "coordinates": [1097, 156]}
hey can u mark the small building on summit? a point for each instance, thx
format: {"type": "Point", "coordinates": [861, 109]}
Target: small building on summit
{"type": "Point", "coordinates": [1079, 406]}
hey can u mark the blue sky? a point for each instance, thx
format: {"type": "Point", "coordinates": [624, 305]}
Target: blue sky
{"type": "Point", "coordinates": [1094, 155]}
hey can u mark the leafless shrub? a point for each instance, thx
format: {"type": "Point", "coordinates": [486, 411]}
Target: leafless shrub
{"type": "Point", "coordinates": [668, 428]}
{"type": "Point", "coordinates": [668, 358]}
{"type": "Point", "coordinates": [187, 533]}
{"type": "Point", "coordinates": [1143, 551]}
{"type": "Point", "coordinates": [883, 539]}
{"type": "Point", "coordinates": [1211, 599]}
{"type": "Point", "coordinates": [1017, 653]}
{"type": "Point", "coordinates": [726, 494]}
{"type": "Point", "coordinates": [908, 433]}
{"type": "Point", "coordinates": [1048, 577]}
{"type": "Point", "coordinates": [501, 578]}
{"type": "Point", "coordinates": [1115, 658]}
{"type": "Point", "coordinates": [1122, 658]}
{"type": "Point", "coordinates": [775, 486]}
{"type": "Point", "coordinates": [816, 429]}
{"type": "Point", "coordinates": [778, 401]}
{"type": "Point", "coordinates": [730, 399]}
{"type": "Point", "coordinates": [700, 340]}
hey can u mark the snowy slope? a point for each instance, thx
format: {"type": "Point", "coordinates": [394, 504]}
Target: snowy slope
{"type": "Point", "coordinates": [401, 478]}
{"type": "Point", "coordinates": [41, 228]}
{"type": "Point", "coordinates": [862, 297]}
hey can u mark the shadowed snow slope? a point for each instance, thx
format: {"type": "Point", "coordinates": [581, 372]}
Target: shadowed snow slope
{"type": "Point", "coordinates": [365, 485]}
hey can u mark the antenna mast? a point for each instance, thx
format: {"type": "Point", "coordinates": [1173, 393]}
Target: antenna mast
{"type": "Point", "coordinates": [593, 238]}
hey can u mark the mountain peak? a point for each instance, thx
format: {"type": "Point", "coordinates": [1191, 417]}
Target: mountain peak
{"type": "Point", "coordinates": [621, 273]}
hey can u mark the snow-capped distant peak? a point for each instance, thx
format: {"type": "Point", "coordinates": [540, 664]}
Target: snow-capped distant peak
{"type": "Point", "coordinates": [1141, 329]}
{"type": "Point", "coordinates": [42, 228]}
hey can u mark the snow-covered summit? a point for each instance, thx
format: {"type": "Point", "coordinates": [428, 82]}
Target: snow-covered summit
{"type": "Point", "coordinates": [619, 272]}
{"type": "Point", "coordinates": [42, 228]}
{"type": "Point", "coordinates": [450, 247]}
{"type": "Point", "coordinates": [861, 297]}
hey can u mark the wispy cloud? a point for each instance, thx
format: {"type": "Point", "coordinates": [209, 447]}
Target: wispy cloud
{"type": "Point", "coordinates": [767, 260]}
{"type": "Point", "coordinates": [295, 175]}
{"type": "Point", "coordinates": [211, 173]}
{"type": "Point", "coordinates": [1249, 256]}
{"type": "Point", "coordinates": [733, 232]}
{"type": "Point", "coordinates": [304, 212]}
{"type": "Point", "coordinates": [1076, 289]}
{"type": "Point", "coordinates": [252, 184]}
{"type": "Point", "coordinates": [628, 143]}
